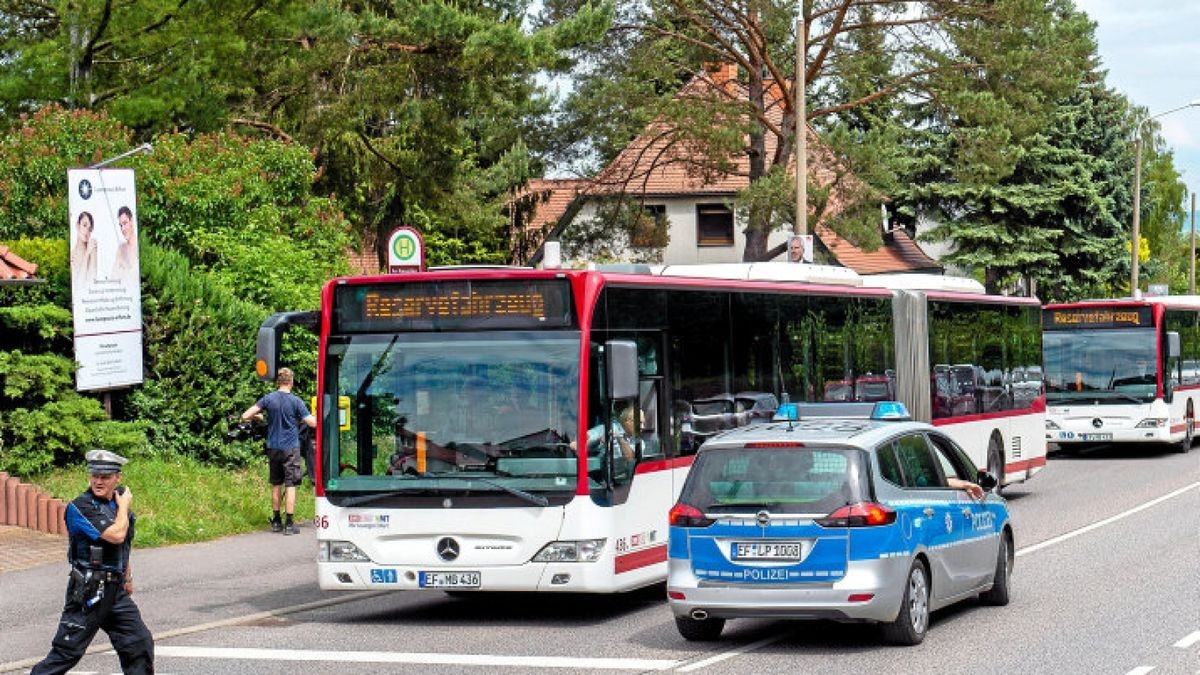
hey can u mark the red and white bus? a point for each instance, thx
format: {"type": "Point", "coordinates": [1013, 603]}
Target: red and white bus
{"type": "Point", "coordinates": [471, 435]}
{"type": "Point", "coordinates": [1125, 371]}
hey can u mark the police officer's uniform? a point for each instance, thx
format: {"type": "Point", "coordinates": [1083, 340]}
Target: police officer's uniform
{"type": "Point", "coordinates": [96, 597]}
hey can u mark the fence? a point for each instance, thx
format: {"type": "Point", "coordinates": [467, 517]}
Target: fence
{"type": "Point", "coordinates": [25, 505]}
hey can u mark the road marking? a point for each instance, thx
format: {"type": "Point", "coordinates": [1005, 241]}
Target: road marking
{"type": "Point", "coordinates": [730, 654]}
{"type": "Point", "coordinates": [1141, 670]}
{"type": "Point", "coordinates": [1189, 640]}
{"type": "Point", "coordinates": [1107, 521]}
{"type": "Point", "coordinates": [199, 628]}
{"type": "Point", "coordinates": [248, 654]}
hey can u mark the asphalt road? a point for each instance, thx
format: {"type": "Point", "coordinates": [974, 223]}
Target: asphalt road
{"type": "Point", "coordinates": [1107, 580]}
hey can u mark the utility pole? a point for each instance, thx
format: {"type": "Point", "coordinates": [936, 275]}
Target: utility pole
{"type": "Point", "coordinates": [801, 226]}
{"type": "Point", "coordinates": [1192, 273]}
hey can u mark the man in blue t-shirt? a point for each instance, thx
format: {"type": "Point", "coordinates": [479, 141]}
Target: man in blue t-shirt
{"type": "Point", "coordinates": [285, 413]}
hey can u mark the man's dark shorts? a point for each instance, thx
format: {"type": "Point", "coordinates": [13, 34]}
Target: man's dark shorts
{"type": "Point", "coordinates": [285, 467]}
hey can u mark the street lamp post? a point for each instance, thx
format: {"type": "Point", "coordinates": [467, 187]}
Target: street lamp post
{"type": "Point", "coordinates": [1136, 235]}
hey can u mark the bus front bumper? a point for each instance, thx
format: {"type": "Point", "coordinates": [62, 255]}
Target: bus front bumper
{"type": "Point", "coordinates": [581, 577]}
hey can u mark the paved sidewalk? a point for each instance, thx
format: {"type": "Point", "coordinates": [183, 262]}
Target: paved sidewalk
{"type": "Point", "coordinates": [21, 548]}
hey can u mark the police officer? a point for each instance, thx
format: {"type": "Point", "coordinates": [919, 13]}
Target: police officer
{"type": "Point", "coordinates": [100, 528]}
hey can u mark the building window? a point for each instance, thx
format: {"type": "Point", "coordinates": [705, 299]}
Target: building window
{"type": "Point", "coordinates": [714, 225]}
{"type": "Point", "coordinates": [650, 231]}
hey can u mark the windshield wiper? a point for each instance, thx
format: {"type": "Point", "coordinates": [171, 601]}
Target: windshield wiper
{"type": "Point", "coordinates": [1097, 396]}
{"type": "Point", "coordinates": [363, 499]}
{"type": "Point", "coordinates": [537, 500]}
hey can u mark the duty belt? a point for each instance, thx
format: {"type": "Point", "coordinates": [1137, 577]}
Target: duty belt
{"type": "Point", "coordinates": [103, 575]}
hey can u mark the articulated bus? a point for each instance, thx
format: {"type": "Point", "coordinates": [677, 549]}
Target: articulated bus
{"type": "Point", "coordinates": [1124, 371]}
{"type": "Point", "coordinates": [520, 429]}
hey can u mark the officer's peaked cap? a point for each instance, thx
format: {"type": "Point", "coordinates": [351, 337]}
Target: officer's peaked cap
{"type": "Point", "coordinates": [104, 461]}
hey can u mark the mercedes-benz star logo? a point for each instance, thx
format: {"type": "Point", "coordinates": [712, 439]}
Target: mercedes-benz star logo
{"type": "Point", "coordinates": [447, 549]}
{"type": "Point", "coordinates": [763, 518]}
{"type": "Point", "coordinates": [85, 188]}
{"type": "Point", "coordinates": [1097, 422]}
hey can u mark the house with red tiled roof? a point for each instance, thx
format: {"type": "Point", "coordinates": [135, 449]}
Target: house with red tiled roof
{"type": "Point", "coordinates": [15, 269]}
{"type": "Point", "coordinates": [694, 199]}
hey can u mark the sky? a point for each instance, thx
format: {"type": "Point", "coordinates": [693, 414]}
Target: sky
{"type": "Point", "coordinates": [1151, 50]}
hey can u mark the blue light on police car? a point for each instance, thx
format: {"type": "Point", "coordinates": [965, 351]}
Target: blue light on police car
{"type": "Point", "coordinates": [787, 411]}
{"type": "Point", "coordinates": [891, 411]}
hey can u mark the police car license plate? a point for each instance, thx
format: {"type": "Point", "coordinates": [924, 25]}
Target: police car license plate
{"type": "Point", "coordinates": [768, 550]}
{"type": "Point", "coordinates": [449, 579]}
{"type": "Point", "coordinates": [1096, 437]}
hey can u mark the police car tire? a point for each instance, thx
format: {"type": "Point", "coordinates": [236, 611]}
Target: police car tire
{"type": "Point", "coordinates": [998, 595]}
{"type": "Point", "coordinates": [901, 631]}
{"type": "Point", "coordinates": [704, 630]}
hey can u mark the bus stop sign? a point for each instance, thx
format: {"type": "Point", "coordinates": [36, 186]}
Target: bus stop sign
{"type": "Point", "coordinates": [406, 251]}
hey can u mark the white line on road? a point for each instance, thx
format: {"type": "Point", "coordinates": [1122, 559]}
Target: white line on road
{"type": "Point", "coordinates": [729, 654]}
{"type": "Point", "coordinates": [1189, 640]}
{"type": "Point", "coordinates": [1141, 670]}
{"type": "Point", "coordinates": [1107, 521]}
{"type": "Point", "coordinates": [331, 656]}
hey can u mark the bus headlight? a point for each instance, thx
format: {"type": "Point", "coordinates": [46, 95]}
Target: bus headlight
{"type": "Point", "coordinates": [586, 550]}
{"type": "Point", "coordinates": [1152, 423]}
{"type": "Point", "coordinates": [1051, 424]}
{"type": "Point", "coordinates": [340, 551]}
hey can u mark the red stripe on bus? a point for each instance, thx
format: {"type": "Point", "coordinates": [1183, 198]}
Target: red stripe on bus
{"type": "Point", "coordinates": [1024, 465]}
{"type": "Point", "coordinates": [639, 559]}
{"type": "Point", "coordinates": [665, 464]}
{"type": "Point", "coordinates": [1039, 406]}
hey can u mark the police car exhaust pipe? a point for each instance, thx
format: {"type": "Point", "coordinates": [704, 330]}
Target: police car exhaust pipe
{"type": "Point", "coordinates": [699, 614]}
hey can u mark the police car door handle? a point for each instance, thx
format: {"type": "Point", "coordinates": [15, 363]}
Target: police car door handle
{"type": "Point", "coordinates": [966, 511]}
{"type": "Point", "coordinates": [929, 511]}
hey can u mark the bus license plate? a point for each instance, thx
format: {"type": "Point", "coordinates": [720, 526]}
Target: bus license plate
{"type": "Point", "coordinates": [1096, 437]}
{"type": "Point", "coordinates": [768, 550]}
{"type": "Point", "coordinates": [449, 580]}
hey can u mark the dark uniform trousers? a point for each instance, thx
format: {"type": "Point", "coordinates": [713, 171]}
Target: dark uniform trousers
{"type": "Point", "coordinates": [116, 615]}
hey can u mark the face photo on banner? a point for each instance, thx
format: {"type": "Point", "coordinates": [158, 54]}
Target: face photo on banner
{"type": "Point", "coordinates": [800, 248]}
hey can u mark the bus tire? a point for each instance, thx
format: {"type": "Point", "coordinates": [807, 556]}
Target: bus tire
{"type": "Point", "coordinates": [1189, 432]}
{"type": "Point", "coordinates": [998, 595]}
{"type": "Point", "coordinates": [995, 460]}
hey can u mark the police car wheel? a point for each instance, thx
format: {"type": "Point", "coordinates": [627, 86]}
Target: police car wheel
{"type": "Point", "coordinates": [912, 622]}
{"type": "Point", "coordinates": [699, 630]}
{"type": "Point", "coordinates": [998, 596]}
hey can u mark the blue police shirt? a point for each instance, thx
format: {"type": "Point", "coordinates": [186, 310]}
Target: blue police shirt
{"type": "Point", "coordinates": [87, 518]}
{"type": "Point", "coordinates": [285, 414]}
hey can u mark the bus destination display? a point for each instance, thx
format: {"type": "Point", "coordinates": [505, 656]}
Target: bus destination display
{"type": "Point", "coordinates": [1097, 317]}
{"type": "Point", "coordinates": [453, 305]}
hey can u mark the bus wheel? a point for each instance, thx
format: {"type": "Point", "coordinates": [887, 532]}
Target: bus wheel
{"type": "Point", "coordinates": [1189, 431]}
{"type": "Point", "coordinates": [995, 461]}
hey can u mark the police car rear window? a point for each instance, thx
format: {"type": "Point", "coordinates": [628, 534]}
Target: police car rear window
{"type": "Point", "coordinates": [784, 480]}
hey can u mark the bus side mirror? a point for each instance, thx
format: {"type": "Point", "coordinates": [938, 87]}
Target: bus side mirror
{"type": "Point", "coordinates": [270, 340]}
{"type": "Point", "coordinates": [622, 369]}
{"type": "Point", "coordinates": [1172, 345]}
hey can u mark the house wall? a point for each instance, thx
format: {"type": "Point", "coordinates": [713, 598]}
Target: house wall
{"type": "Point", "coordinates": [683, 249]}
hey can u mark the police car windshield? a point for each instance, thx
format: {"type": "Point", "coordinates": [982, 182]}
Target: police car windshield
{"type": "Point", "coordinates": [800, 480]}
{"type": "Point", "coordinates": [454, 414]}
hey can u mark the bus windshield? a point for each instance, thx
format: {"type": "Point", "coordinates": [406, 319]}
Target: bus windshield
{"type": "Point", "coordinates": [1101, 366]}
{"type": "Point", "coordinates": [443, 414]}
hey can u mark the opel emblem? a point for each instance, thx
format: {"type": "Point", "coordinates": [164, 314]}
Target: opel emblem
{"type": "Point", "coordinates": [1097, 422]}
{"type": "Point", "coordinates": [447, 549]}
{"type": "Point", "coordinates": [763, 518]}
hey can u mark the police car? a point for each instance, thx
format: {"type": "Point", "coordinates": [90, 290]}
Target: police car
{"type": "Point", "coordinates": [842, 511]}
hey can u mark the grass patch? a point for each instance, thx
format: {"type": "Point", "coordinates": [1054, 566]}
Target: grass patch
{"type": "Point", "coordinates": [178, 500]}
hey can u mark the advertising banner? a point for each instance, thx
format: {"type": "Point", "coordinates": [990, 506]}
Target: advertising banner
{"type": "Point", "coordinates": [106, 292]}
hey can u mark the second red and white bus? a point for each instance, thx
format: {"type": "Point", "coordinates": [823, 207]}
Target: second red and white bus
{"type": "Point", "coordinates": [470, 432]}
{"type": "Point", "coordinates": [1125, 371]}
